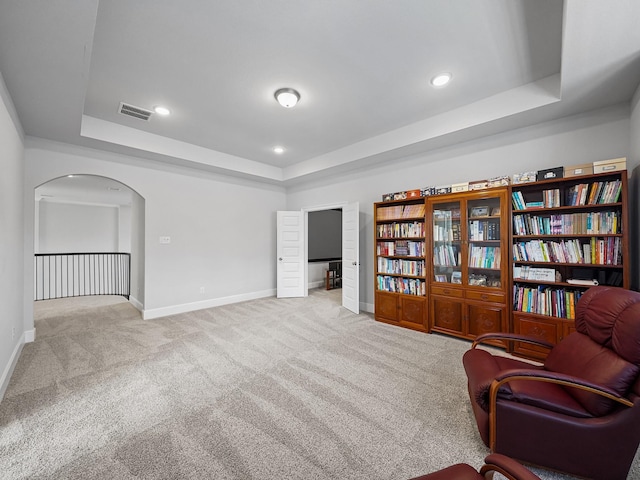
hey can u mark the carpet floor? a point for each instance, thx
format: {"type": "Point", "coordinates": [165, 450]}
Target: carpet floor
{"type": "Point", "coordinates": [267, 389]}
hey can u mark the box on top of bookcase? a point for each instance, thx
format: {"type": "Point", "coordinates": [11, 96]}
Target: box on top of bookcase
{"type": "Point", "coordinates": [612, 165]}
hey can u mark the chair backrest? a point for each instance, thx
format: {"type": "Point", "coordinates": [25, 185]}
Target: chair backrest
{"type": "Point", "coordinates": [610, 316]}
{"type": "Point", "coordinates": [605, 349]}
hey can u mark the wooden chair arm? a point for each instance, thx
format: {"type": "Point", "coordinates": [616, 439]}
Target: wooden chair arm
{"type": "Point", "coordinates": [543, 376]}
{"type": "Point", "coordinates": [507, 467]}
{"type": "Point", "coordinates": [510, 336]}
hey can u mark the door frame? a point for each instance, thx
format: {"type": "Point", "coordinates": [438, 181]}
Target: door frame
{"type": "Point", "coordinates": [305, 212]}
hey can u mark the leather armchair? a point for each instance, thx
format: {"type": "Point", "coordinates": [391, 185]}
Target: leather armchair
{"type": "Point", "coordinates": [579, 412]}
{"type": "Point", "coordinates": [495, 462]}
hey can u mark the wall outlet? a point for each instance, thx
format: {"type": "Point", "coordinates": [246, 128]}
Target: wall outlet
{"type": "Point", "coordinates": [165, 240]}
{"type": "Point", "coordinates": [13, 333]}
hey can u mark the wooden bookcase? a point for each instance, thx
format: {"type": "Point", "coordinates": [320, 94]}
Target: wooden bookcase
{"type": "Point", "coordinates": [400, 263]}
{"type": "Point", "coordinates": [565, 233]}
{"type": "Point", "coordinates": [469, 273]}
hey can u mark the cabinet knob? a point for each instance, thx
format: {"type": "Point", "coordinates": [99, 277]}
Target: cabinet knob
{"type": "Point", "coordinates": [446, 291]}
{"type": "Point", "coordinates": [484, 296]}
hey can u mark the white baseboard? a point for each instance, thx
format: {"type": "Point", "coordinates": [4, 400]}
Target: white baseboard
{"type": "Point", "coordinates": [214, 302]}
{"type": "Point", "coordinates": [30, 336]}
{"type": "Point", "coordinates": [317, 284]}
{"type": "Point", "coordinates": [8, 371]}
{"type": "Point", "coordinates": [367, 307]}
{"type": "Point", "coordinates": [136, 303]}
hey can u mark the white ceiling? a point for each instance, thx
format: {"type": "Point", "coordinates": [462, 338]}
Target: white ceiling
{"type": "Point", "coordinates": [362, 68]}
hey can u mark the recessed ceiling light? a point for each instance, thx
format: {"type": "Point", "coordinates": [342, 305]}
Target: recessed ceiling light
{"type": "Point", "coordinates": [160, 110]}
{"type": "Point", "coordinates": [441, 79]}
{"type": "Point", "coordinates": [278, 150]}
{"type": "Point", "coordinates": [287, 97]}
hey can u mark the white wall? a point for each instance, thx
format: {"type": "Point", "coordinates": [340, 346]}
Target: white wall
{"type": "Point", "coordinates": [78, 228]}
{"type": "Point", "coordinates": [581, 139]}
{"type": "Point", "coordinates": [137, 252]}
{"type": "Point", "coordinates": [12, 322]}
{"type": "Point", "coordinates": [222, 230]}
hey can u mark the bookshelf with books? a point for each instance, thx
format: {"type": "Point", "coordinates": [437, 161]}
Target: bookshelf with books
{"type": "Point", "coordinates": [468, 277]}
{"type": "Point", "coordinates": [400, 263]}
{"type": "Point", "coordinates": [568, 234]}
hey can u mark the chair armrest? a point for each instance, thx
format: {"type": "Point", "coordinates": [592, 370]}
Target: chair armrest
{"type": "Point", "coordinates": [560, 379]}
{"type": "Point", "coordinates": [510, 336]}
{"type": "Point", "coordinates": [506, 466]}
{"type": "Point", "coordinates": [543, 376]}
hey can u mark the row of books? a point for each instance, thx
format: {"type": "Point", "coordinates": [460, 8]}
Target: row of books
{"type": "Point", "coordinates": [603, 223]}
{"type": "Point", "coordinates": [396, 266]}
{"type": "Point", "coordinates": [400, 211]}
{"type": "Point", "coordinates": [484, 257]}
{"type": "Point", "coordinates": [596, 193]}
{"type": "Point", "coordinates": [409, 286]}
{"type": "Point", "coordinates": [555, 302]}
{"type": "Point", "coordinates": [447, 255]}
{"type": "Point", "coordinates": [484, 230]}
{"type": "Point", "coordinates": [446, 233]}
{"type": "Point", "coordinates": [400, 230]}
{"type": "Point", "coordinates": [401, 248]}
{"type": "Point", "coordinates": [597, 251]}
{"type": "Point", "coordinates": [551, 198]}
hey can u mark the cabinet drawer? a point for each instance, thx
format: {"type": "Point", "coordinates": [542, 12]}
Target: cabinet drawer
{"type": "Point", "coordinates": [448, 291]}
{"type": "Point", "coordinates": [485, 296]}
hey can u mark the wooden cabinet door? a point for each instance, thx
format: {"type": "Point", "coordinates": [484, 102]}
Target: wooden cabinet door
{"type": "Point", "coordinates": [447, 315]}
{"type": "Point", "coordinates": [486, 318]}
{"type": "Point", "coordinates": [413, 311]}
{"type": "Point", "coordinates": [544, 328]}
{"type": "Point", "coordinates": [387, 306]}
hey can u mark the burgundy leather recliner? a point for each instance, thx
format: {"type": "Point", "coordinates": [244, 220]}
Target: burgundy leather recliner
{"type": "Point", "coordinates": [494, 463]}
{"type": "Point", "coordinates": [579, 412]}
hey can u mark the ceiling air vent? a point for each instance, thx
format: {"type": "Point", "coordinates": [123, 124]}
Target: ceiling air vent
{"type": "Point", "coordinates": [137, 112]}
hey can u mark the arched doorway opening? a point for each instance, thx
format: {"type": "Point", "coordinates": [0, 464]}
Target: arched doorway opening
{"type": "Point", "coordinates": [88, 239]}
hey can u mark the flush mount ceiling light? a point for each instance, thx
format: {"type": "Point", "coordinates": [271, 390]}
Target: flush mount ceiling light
{"type": "Point", "coordinates": [279, 150]}
{"type": "Point", "coordinates": [287, 97]}
{"type": "Point", "coordinates": [160, 110]}
{"type": "Point", "coordinates": [441, 79]}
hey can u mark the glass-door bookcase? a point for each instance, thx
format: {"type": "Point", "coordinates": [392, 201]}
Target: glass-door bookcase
{"type": "Point", "coordinates": [469, 274]}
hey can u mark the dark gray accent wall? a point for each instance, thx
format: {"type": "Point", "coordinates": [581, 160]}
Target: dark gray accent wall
{"type": "Point", "coordinates": [325, 235]}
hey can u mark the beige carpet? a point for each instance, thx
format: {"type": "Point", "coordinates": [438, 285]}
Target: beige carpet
{"type": "Point", "coordinates": [267, 389]}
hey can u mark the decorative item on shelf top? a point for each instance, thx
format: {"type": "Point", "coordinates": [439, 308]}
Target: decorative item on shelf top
{"type": "Point", "coordinates": [612, 165]}
{"type": "Point", "coordinates": [578, 170]}
{"type": "Point", "coordinates": [478, 185]}
{"type": "Point", "coordinates": [525, 177]}
{"type": "Point", "coordinates": [550, 173]}
{"type": "Point", "coordinates": [501, 181]}
{"type": "Point", "coordinates": [443, 189]}
{"type": "Point", "coordinates": [415, 193]}
{"type": "Point", "coordinates": [400, 195]}
{"type": "Point", "coordinates": [386, 197]}
{"type": "Point", "coordinates": [460, 187]}
{"type": "Point", "coordinates": [427, 191]}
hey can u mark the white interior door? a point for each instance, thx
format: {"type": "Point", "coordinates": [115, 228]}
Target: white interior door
{"type": "Point", "coordinates": [351, 257]}
{"type": "Point", "coordinates": [290, 254]}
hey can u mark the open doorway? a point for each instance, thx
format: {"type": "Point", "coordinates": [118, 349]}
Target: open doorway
{"type": "Point", "coordinates": [324, 246]}
{"type": "Point", "coordinates": [350, 253]}
{"type": "Point", "coordinates": [88, 239]}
